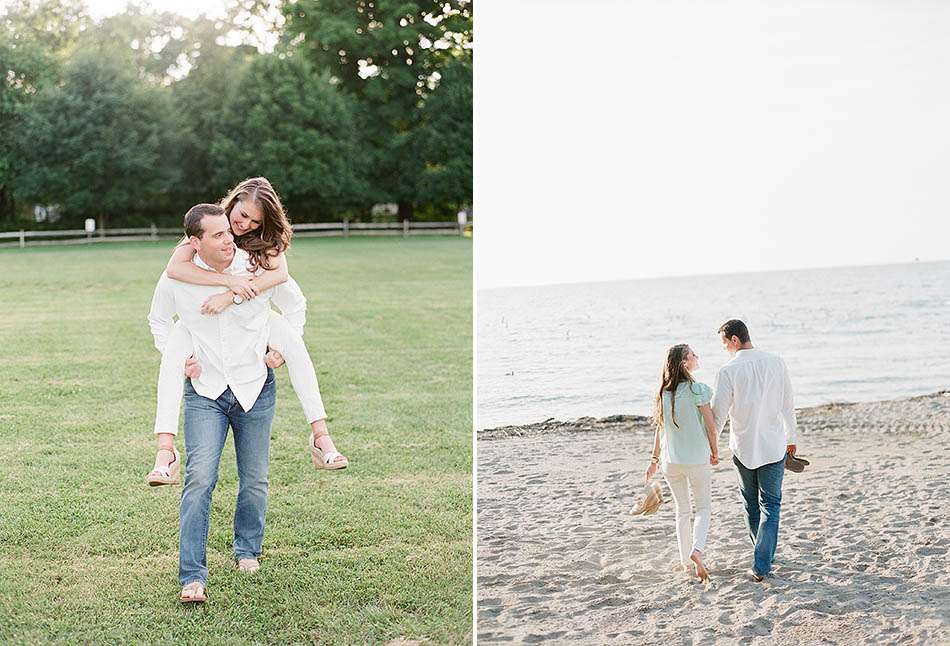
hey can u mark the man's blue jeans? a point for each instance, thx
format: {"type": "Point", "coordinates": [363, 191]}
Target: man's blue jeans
{"type": "Point", "coordinates": [762, 494]}
{"type": "Point", "coordinates": [206, 428]}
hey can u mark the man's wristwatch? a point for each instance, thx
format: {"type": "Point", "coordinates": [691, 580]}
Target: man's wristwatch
{"type": "Point", "coordinates": [237, 300]}
{"type": "Point", "coordinates": [655, 459]}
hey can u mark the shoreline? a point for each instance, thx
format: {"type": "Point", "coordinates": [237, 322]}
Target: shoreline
{"type": "Point", "coordinates": [634, 423]}
{"type": "Point", "coordinates": [863, 542]}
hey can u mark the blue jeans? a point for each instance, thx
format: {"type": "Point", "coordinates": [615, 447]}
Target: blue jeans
{"type": "Point", "coordinates": [762, 494]}
{"type": "Point", "coordinates": [206, 428]}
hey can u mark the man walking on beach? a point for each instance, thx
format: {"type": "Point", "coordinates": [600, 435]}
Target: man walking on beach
{"type": "Point", "coordinates": [754, 391]}
{"type": "Point", "coordinates": [234, 388]}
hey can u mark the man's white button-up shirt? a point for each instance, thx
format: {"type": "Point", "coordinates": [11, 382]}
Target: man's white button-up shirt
{"type": "Point", "coordinates": [230, 346]}
{"type": "Point", "coordinates": [754, 391]}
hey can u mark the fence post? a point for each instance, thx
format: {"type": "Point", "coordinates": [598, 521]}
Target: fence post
{"type": "Point", "coordinates": [153, 233]}
{"type": "Point", "coordinates": [405, 228]}
{"type": "Point", "coordinates": [346, 228]}
{"type": "Point", "coordinates": [22, 239]}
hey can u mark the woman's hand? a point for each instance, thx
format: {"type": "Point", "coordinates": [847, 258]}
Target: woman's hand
{"type": "Point", "coordinates": [217, 303]}
{"type": "Point", "coordinates": [651, 471]}
{"type": "Point", "coordinates": [192, 368]}
{"type": "Point", "coordinates": [714, 459]}
{"type": "Point", "coordinates": [273, 359]}
{"type": "Point", "coordinates": [243, 287]}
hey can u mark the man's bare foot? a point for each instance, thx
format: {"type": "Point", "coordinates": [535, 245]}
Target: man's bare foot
{"type": "Point", "coordinates": [697, 558]}
{"type": "Point", "coordinates": [249, 565]}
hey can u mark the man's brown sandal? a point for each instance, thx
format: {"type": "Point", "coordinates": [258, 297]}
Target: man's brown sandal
{"type": "Point", "coordinates": [795, 464]}
{"type": "Point", "coordinates": [194, 592]}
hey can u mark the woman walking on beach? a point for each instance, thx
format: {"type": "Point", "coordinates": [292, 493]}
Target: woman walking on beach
{"type": "Point", "coordinates": [684, 447]}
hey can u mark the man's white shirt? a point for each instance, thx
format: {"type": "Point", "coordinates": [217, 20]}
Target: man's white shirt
{"type": "Point", "coordinates": [229, 346]}
{"type": "Point", "coordinates": [754, 391]}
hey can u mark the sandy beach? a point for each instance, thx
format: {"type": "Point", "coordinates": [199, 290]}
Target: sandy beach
{"type": "Point", "coordinates": [862, 555]}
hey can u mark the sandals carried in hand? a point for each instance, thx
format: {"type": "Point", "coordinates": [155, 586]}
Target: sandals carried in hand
{"type": "Point", "coordinates": [795, 464]}
{"type": "Point", "coordinates": [325, 459]}
{"type": "Point", "coordinates": [167, 475]}
{"type": "Point", "coordinates": [652, 500]}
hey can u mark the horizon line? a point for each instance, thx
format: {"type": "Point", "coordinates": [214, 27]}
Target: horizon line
{"type": "Point", "coordinates": [711, 275]}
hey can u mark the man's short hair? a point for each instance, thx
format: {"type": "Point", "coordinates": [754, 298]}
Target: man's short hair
{"type": "Point", "coordinates": [196, 214]}
{"type": "Point", "coordinates": [735, 327]}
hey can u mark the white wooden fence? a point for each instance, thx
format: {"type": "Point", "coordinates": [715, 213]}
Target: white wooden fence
{"type": "Point", "coordinates": [345, 228]}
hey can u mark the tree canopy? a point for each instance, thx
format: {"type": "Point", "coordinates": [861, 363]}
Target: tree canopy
{"type": "Point", "coordinates": [137, 116]}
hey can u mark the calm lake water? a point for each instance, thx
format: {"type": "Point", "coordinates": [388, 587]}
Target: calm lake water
{"type": "Point", "coordinates": [847, 334]}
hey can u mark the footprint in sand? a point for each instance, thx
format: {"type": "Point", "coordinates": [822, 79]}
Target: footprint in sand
{"type": "Point", "coordinates": [488, 613]}
{"type": "Point", "coordinates": [759, 627]}
{"type": "Point", "coordinates": [608, 602]}
{"type": "Point", "coordinates": [930, 551]}
{"type": "Point", "coordinates": [535, 638]}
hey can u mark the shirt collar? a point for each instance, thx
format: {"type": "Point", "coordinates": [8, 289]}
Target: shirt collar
{"type": "Point", "coordinates": [239, 260]}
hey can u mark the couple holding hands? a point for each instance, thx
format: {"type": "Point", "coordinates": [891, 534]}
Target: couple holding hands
{"type": "Point", "coordinates": [753, 391]}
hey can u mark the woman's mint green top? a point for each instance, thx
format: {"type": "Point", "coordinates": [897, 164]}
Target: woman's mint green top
{"type": "Point", "coordinates": [688, 443]}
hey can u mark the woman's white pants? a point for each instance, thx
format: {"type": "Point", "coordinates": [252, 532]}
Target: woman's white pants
{"type": "Point", "coordinates": [683, 478]}
{"type": "Point", "coordinates": [281, 337]}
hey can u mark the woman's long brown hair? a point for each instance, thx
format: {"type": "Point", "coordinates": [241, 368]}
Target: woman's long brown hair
{"type": "Point", "coordinates": [273, 236]}
{"type": "Point", "coordinates": [674, 373]}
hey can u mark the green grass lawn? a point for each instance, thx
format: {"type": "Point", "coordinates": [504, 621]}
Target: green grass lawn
{"type": "Point", "coordinates": [377, 552]}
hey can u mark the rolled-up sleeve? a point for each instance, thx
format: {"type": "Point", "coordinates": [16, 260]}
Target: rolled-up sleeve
{"type": "Point", "coordinates": [289, 299]}
{"type": "Point", "coordinates": [721, 400]}
{"type": "Point", "coordinates": [161, 315]}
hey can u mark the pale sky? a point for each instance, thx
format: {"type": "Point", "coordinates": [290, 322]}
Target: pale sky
{"type": "Point", "coordinates": [189, 8]}
{"type": "Point", "coordinates": [619, 140]}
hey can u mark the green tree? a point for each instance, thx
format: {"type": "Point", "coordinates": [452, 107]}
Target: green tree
{"type": "Point", "coordinates": [283, 121]}
{"type": "Point", "coordinates": [35, 37]}
{"type": "Point", "coordinates": [199, 101]}
{"type": "Point", "coordinates": [389, 55]}
{"type": "Point", "coordinates": [445, 139]}
{"type": "Point", "coordinates": [160, 47]}
{"type": "Point", "coordinates": [97, 145]}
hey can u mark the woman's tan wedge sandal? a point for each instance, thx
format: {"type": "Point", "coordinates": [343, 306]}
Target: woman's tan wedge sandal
{"type": "Point", "coordinates": [326, 460]}
{"type": "Point", "coordinates": [167, 475]}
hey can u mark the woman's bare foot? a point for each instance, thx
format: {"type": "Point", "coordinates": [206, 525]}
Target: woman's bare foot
{"type": "Point", "coordinates": [697, 558]}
